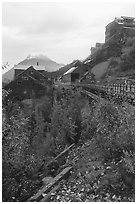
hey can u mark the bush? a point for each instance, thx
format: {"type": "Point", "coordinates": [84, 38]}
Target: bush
{"type": "Point", "coordinates": [15, 144]}
{"type": "Point", "coordinates": [111, 126]}
{"type": "Point", "coordinates": [66, 118]}
{"type": "Point", "coordinates": [88, 123]}
{"type": "Point", "coordinates": [114, 133]}
{"type": "Point", "coordinates": [15, 139]}
{"type": "Point", "coordinates": [112, 129]}
{"type": "Point", "coordinates": [22, 154]}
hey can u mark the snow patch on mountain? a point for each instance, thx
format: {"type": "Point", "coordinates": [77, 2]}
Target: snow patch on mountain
{"type": "Point", "coordinates": [37, 55]}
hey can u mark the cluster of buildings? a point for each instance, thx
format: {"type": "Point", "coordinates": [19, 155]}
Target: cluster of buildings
{"type": "Point", "coordinates": [78, 73]}
{"type": "Point", "coordinates": [30, 81]}
{"type": "Point", "coordinates": [119, 23]}
{"type": "Point", "coordinates": [97, 47]}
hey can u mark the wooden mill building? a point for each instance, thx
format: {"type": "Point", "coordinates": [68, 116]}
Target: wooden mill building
{"type": "Point", "coordinates": [29, 83]}
{"type": "Point", "coordinates": [21, 68]}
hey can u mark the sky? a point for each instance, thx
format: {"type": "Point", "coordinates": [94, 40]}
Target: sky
{"type": "Point", "coordinates": [62, 31]}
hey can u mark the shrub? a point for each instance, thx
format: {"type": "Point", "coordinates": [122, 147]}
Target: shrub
{"type": "Point", "coordinates": [21, 156]}
{"type": "Point", "coordinates": [114, 133]}
{"type": "Point", "coordinates": [15, 138]}
{"type": "Point", "coordinates": [15, 144]}
{"type": "Point", "coordinates": [112, 127]}
{"type": "Point", "coordinates": [88, 123]}
{"type": "Point", "coordinates": [66, 117]}
{"type": "Point", "coordinates": [62, 126]}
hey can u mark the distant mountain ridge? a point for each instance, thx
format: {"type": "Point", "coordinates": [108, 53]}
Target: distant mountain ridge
{"type": "Point", "coordinates": [43, 60]}
{"type": "Point", "coordinates": [33, 60]}
{"type": "Point", "coordinates": [63, 69]}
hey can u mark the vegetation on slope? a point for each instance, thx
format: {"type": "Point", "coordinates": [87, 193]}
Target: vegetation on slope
{"type": "Point", "coordinates": [32, 138]}
{"type": "Point", "coordinates": [120, 50]}
{"type": "Point", "coordinates": [104, 164]}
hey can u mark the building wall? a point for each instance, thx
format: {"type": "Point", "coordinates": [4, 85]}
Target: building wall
{"type": "Point", "coordinates": [94, 49]}
{"type": "Point", "coordinates": [25, 88]}
{"type": "Point", "coordinates": [80, 70]}
{"type": "Point", "coordinates": [34, 73]}
{"type": "Point", "coordinates": [66, 78]}
{"type": "Point", "coordinates": [41, 71]}
{"type": "Point", "coordinates": [99, 45]}
{"type": "Point", "coordinates": [75, 77]}
{"type": "Point", "coordinates": [29, 70]}
{"type": "Point", "coordinates": [126, 21]}
{"type": "Point", "coordinates": [17, 72]}
{"type": "Point", "coordinates": [117, 24]}
{"type": "Point", "coordinates": [111, 29]}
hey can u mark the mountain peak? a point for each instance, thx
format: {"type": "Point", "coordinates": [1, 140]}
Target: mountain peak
{"type": "Point", "coordinates": [33, 60]}
{"type": "Point", "coordinates": [37, 56]}
{"type": "Point", "coordinates": [40, 59]}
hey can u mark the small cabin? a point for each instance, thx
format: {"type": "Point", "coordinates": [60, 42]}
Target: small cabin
{"type": "Point", "coordinates": [72, 75]}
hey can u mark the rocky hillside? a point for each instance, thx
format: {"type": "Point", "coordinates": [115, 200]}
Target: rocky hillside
{"type": "Point", "coordinates": [120, 52]}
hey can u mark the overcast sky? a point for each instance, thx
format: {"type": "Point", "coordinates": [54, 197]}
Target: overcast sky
{"type": "Point", "coordinates": [61, 31]}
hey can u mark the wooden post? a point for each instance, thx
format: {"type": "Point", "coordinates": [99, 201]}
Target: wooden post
{"type": "Point", "coordinates": [118, 88]}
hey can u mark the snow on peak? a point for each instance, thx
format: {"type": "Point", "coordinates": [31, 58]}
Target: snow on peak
{"type": "Point", "coordinates": [41, 56]}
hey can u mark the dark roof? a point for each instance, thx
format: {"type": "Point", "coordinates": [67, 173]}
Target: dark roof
{"type": "Point", "coordinates": [29, 68]}
{"type": "Point", "coordinates": [72, 69]}
{"type": "Point", "coordinates": [24, 67]}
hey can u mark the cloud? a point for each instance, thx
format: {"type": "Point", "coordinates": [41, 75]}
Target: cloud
{"type": "Point", "coordinates": [50, 26]}
{"type": "Point", "coordinates": [61, 30]}
{"type": "Point", "coordinates": [34, 19]}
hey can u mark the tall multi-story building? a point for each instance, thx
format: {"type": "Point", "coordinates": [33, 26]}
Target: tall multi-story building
{"type": "Point", "coordinates": [122, 22]}
{"type": "Point", "coordinates": [97, 46]}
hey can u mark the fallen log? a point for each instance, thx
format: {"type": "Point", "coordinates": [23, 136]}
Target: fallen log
{"type": "Point", "coordinates": [45, 190]}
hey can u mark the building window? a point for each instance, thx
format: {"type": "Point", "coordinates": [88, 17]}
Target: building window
{"type": "Point", "coordinates": [25, 92]}
{"type": "Point", "coordinates": [25, 78]}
